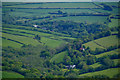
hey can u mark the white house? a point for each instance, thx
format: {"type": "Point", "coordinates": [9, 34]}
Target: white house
{"type": "Point", "coordinates": [71, 66]}
{"type": "Point", "coordinates": [35, 26]}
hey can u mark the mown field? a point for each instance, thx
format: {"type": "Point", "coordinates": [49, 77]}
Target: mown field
{"type": "Point", "coordinates": [6, 74]}
{"type": "Point", "coordinates": [103, 43]}
{"type": "Point", "coordinates": [6, 43]}
{"type": "Point", "coordinates": [116, 61]}
{"type": "Point", "coordinates": [30, 29]}
{"type": "Point", "coordinates": [114, 23]}
{"type": "Point", "coordinates": [22, 39]}
{"type": "Point", "coordinates": [88, 19]}
{"type": "Point", "coordinates": [108, 41]}
{"type": "Point", "coordinates": [116, 51]}
{"type": "Point", "coordinates": [29, 14]}
{"type": "Point", "coordinates": [58, 57]}
{"type": "Point", "coordinates": [108, 72]}
{"type": "Point", "coordinates": [95, 65]}
{"type": "Point", "coordinates": [26, 37]}
{"type": "Point", "coordinates": [93, 45]}
{"type": "Point", "coordinates": [52, 5]}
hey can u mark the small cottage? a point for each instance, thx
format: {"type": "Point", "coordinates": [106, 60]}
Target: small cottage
{"type": "Point", "coordinates": [82, 49]}
{"type": "Point", "coordinates": [35, 26]}
{"type": "Point", "coordinates": [71, 66]}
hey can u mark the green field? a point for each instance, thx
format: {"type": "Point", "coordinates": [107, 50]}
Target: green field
{"type": "Point", "coordinates": [95, 65]}
{"type": "Point", "coordinates": [114, 23]}
{"type": "Point", "coordinates": [17, 33]}
{"type": "Point", "coordinates": [108, 72]}
{"type": "Point", "coordinates": [27, 31]}
{"type": "Point", "coordinates": [28, 14]}
{"type": "Point", "coordinates": [114, 32]}
{"type": "Point", "coordinates": [89, 19]}
{"type": "Point", "coordinates": [105, 42]}
{"type": "Point", "coordinates": [108, 53]}
{"type": "Point", "coordinates": [92, 45]}
{"type": "Point", "coordinates": [51, 42]}
{"type": "Point", "coordinates": [22, 28]}
{"type": "Point", "coordinates": [52, 36]}
{"type": "Point", "coordinates": [47, 41]}
{"type": "Point", "coordinates": [6, 43]}
{"type": "Point", "coordinates": [59, 57]}
{"type": "Point", "coordinates": [6, 74]}
{"type": "Point", "coordinates": [77, 11]}
{"type": "Point", "coordinates": [116, 61]}
{"type": "Point", "coordinates": [63, 29]}
{"type": "Point", "coordinates": [108, 41]}
{"type": "Point", "coordinates": [11, 3]}
{"type": "Point", "coordinates": [22, 39]}
{"type": "Point", "coordinates": [59, 5]}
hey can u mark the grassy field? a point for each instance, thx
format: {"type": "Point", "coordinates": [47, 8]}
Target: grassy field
{"type": "Point", "coordinates": [5, 26]}
{"type": "Point", "coordinates": [108, 53]}
{"type": "Point", "coordinates": [53, 5]}
{"type": "Point", "coordinates": [92, 45]}
{"type": "Point", "coordinates": [26, 40]}
{"type": "Point", "coordinates": [6, 43]}
{"type": "Point", "coordinates": [27, 31]}
{"type": "Point", "coordinates": [114, 32]}
{"type": "Point", "coordinates": [108, 41]}
{"type": "Point", "coordinates": [114, 23]}
{"type": "Point", "coordinates": [59, 57]}
{"type": "Point", "coordinates": [95, 65]}
{"type": "Point", "coordinates": [11, 3]}
{"type": "Point", "coordinates": [6, 74]}
{"type": "Point", "coordinates": [116, 61]}
{"type": "Point", "coordinates": [51, 42]}
{"type": "Point", "coordinates": [105, 42]}
{"type": "Point", "coordinates": [29, 14]}
{"type": "Point", "coordinates": [77, 10]}
{"type": "Point", "coordinates": [22, 39]}
{"type": "Point", "coordinates": [108, 72]}
{"type": "Point", "coordinates": [89, 19]}
{"type": "Point", "coordinates": [19, 31]}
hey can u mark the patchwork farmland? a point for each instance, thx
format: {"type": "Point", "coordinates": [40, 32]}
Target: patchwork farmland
{"type": "Point", "coordinates": [60, 40]}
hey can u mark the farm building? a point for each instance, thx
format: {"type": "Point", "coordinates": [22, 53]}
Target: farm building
{"type": "Point", "coordinates": [82, 49]}
{"type": "Point", "coordinates": [71, 66]}
{"type": "Point", "coordinates": [35, 26]}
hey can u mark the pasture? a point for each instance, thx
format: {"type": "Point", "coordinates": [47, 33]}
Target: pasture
{"type": "Point", "coordinates": [116, 61]}
{"type": "Point", "coordinates": [51, 42]}
{"type": "Point", "coordinates": [30, 29]}
{"type": "Point", "coordinates": [92, 45]}
{"type": "Point", "coordinates": [6, 74]}
{"type": "Point", "coordinates": [77, 11]}
{"type": "Point", "coordinates": [59, 57]}
{"type": "Point", "coordinates": [106, 72]}
{"type": "Point", "coordinates": [88, 19]}
{"type": "Point", "coordinates": [54, 5]}
{"type": "Point", "coordinates": [105, 42]}
{"type": "Point", "coordinates": [108, 41]}
{"type": "Point", "coordinates": [114, 23]}
{"type": "Point", "coordinates": [32, 33]}
{"type": "Point", "coordinates": [6, 43]}
{"type": "Point", "coordinates": [108, 53]}
{"type": "Point", "coordinates": [95, 65]}
{"type": "Point", "coordinates": [22, 39]}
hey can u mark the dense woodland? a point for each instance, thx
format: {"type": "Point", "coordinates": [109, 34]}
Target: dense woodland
{"type": "Point", "coordinates": [35, 61]}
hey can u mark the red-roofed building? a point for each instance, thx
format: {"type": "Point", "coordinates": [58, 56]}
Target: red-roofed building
{"type": "Point", "coordinates": [82, 49]}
